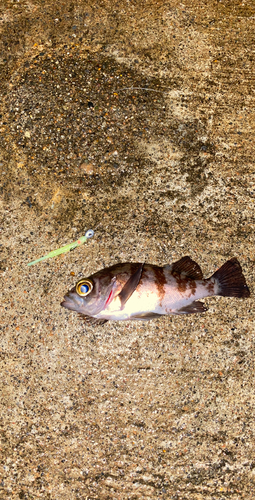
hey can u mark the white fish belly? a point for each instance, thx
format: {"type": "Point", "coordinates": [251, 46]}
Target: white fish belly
{"type": "Point", "coordinates": [143, 300]}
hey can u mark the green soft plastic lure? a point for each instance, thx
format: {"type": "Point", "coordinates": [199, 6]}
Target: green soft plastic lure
{"type": "Point", "coordinates": [66, 248]}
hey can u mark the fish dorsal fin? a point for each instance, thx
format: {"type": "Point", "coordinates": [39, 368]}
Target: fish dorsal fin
{"type": "Point", "coordinates": [130, 286]}
{"type": "Point", "coordinates": [188, 268]}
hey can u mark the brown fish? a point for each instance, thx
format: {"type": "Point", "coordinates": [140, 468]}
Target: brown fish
{"type": "Point", "coordinates": [144, 291]}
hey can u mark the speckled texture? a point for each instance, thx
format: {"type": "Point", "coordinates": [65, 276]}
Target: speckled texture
{"type": "Point", "coordinates": [163, 409]}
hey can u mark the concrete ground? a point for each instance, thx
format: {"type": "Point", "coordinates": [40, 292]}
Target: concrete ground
{"type": "Point", "coordinates": [135, 119]}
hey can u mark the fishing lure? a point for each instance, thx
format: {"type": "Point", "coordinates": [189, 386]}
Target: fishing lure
{"type": "Point", "coordinates": [66, 248]}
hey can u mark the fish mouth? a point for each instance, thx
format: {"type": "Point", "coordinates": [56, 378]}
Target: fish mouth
{"type": "Point", "coordinates": [68, 304]}
{"type": "Point", "coordinates": [72, 301]}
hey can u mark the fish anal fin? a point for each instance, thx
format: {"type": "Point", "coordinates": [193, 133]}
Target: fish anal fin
{"type": "Point", "coordinates": [194, 307]}
{"type": "Point", "coordinates": [89, 320]}
{"type": "Point", "coordinates": [146, 316]}
{"type": "Point", "coordinates": [130, 286]}
{"type": "Point", "coordinates": [187, 267]}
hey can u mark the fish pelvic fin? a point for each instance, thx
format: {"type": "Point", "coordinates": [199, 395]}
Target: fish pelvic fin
{"type": "Point", "coordinates": [89, 320]}
{"type": "Point", "coordinates": [230, 280]}
{"type": "Point", "coordinates": [146, 316]}
{"type": "Point", "coordinates": [194, 307]}
{"type": "Point", "coordinates": [130, 286]}
{"type": "Point", "coordinates": [187, 267]}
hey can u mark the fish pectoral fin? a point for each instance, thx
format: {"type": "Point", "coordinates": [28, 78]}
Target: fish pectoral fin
{"type": "Point", "coordinates": [89, 320]}
{"type": "Point", "coordinates": [188, 268]}
{"type": "Point", "coordinates": [130, 286]}
{"type": "Point", "coordinates": [194, 307]}
{"type": "Point", "coordinates": [146, 316]}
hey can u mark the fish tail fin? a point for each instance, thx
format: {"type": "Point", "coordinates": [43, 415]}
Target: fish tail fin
{"type": "Point", "coordinates": [230, 280]}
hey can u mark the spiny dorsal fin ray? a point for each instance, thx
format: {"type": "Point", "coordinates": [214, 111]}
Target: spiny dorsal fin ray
{"type": "Point", "coordinates": [188, 268]}
{"type": "Point", "coordinates": [130, 286]}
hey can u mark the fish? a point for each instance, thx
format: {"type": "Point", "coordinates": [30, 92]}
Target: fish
{"type": "Point", "coordinates": [140, 291]}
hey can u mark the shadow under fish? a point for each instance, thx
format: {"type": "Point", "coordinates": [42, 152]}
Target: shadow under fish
{"type": "Point", "coordinates": [135, 291]}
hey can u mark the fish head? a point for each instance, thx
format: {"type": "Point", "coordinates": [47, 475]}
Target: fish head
{"type": "Point", "coordinates": [90, 295]}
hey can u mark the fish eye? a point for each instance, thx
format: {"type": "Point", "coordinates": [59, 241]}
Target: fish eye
{"type": "Point", "coordinates": [84, 287]}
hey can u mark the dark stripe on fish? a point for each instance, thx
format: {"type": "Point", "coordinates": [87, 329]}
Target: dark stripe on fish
{"type": "Point", "coordinates": [160, 281]}
{"type": "Point", "coordinates": [184, 284]}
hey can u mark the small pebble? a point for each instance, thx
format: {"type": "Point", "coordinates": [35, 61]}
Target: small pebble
{"type": "Point", "coordinates": [88, 168]}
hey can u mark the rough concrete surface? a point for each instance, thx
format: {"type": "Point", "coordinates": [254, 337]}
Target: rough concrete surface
{"type": "Point", "coordinates": [135, 119]}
